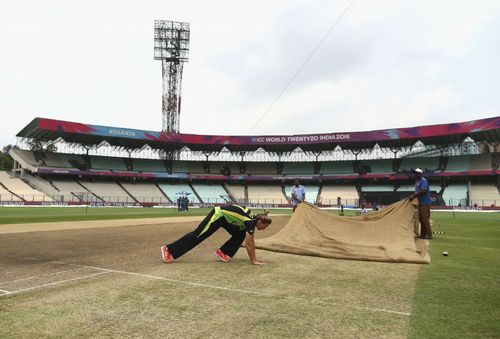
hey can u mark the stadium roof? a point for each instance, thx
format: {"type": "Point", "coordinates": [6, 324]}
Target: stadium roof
{"type": "Point", "coordinates": [85, 134]}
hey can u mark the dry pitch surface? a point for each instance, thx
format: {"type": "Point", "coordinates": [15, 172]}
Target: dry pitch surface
{"type": "Point", "coordinates": [101, 279]}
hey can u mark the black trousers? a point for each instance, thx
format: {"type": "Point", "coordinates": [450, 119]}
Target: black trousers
{"type": "Point", "coordinates": [205, 230]}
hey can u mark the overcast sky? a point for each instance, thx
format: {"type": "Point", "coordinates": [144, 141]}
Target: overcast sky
{"type": "Point", "coordinates": [386, 64]}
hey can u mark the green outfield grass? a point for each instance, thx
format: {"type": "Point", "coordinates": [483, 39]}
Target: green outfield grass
{"type": "Point", "coordinates": [19, 215]}
{"type": "Point", "coordinates": [458, 296]}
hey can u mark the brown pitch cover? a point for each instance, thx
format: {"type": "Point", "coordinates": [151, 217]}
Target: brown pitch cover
{"type": "Point", "coordinates": [386, 235]}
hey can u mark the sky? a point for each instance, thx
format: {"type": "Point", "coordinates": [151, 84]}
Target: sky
{"type": "Point", "coordinates": [386, 64]}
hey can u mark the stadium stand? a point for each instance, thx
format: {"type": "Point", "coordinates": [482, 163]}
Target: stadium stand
{"type": "Point", "coordinates": [337, 167]}
{"type": "Point", "coordinates": [70, 190]}
{"type": "Point", "coordinates": [458, 164]}
{"type": "Point", "coordinates": [108, 163]}
{"type": "Point", "coordinates": [148, 165]}
{"type": "Point", "coordinates": [171, 191]}
{"type": "Point", "coordinates": [228, 168]}
{"type": "Point", "coordinates": [377, 166]}
{"type": "Point", "coordinates": [41, 185]}
{"type": "Point", "coordinates": [311, 193]}
{"type": "Point", "coordinates": [107, 191]}
{"type": "Point", "coordinates": [238, 192]}
{"type": "Point", "coordinates": [480, 162]}
{"type": "Point", "coordinates": [7, 196]}
{"type": "Point", "coordinates": [441, 150]}
{"type": "Point", "coordinates": [427, 164]}
{"type": "Point", "coordinates": [377, 188]}
{"type": "Point", "coordinates": [270, 194]}
{"type": "Point", "coordinates": [261, 168]}
{"type": "Point", "coordinates": [411, 188]}
{"type": "Point", "coordinates": [145, 192]}
{"type": "Point", "coordinates": [455, 194]}
{"type": "Point", "coordinates": [212, 193]}
{"type": "Point", "coordinates": [27, 156]}
{"type": "Point", "coordinates": [348, 194]}
{"type": "Point", "coordinates": [195, 167]}
{"type": "Point", "coordinates": [21, 189]}
{"type": "Point", "coordinates": [297, 168]}
{"type": "Point", "coordinates": [179, 167]}
{"type": "Point", "coordinates": [484, 195]}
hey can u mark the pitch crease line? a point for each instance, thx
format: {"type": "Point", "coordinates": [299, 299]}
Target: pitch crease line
{"type": "Point", "coordinates": [107, 270]}
{"type": "Point", "coordinates": [54, 283]}
{"type": "Point", "coordinates": [41, 275]}
{"type": "Point", "coordinates": [237, 289]}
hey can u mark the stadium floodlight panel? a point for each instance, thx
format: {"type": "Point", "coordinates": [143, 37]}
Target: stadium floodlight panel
{"type": "Point", "coordinates": [171, 40]}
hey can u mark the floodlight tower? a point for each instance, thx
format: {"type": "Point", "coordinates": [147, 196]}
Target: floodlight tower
{"type": "Point", "coordinates": [171, 46]}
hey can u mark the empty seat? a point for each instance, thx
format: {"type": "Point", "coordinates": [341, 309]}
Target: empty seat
{"type": "Point", "coordinates": [336, 167]}
{"type": "Point", "coordinates": [484, 195]}
{"type": "Point", "coordinates": [458, 164]}
{"type": "Point", "coordinates": [145, 192]}
{"type": "Point", "coordinates": [20, 188]}
{"type": "Point", "coordinates": [347, 193]}
{"type": "Point", "coordinates": [268, 194]}
{"type": "Point", "coordinates": [108, 191]}
{"type": "Point", "coordinates": [238, 192]}
{"type": "Point", "coordinates": [212, 193]}
{"type": "Point", "coordinates": [172, 190]}
{"type": "Point", "coordinates": [108, 163]}
{"type": "Point", "coordinates": [292, 168]}
{"type": "Point", "coordinates": [149, 165]}
{"type": "Point", "coordinates": [455, 194]}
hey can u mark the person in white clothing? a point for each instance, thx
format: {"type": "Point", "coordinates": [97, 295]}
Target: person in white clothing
{"type": "Point", "coordinates": [298, 194]}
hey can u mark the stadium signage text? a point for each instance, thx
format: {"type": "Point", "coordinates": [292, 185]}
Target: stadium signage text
{"type": "Point", "coordinates": [304, 138]}
{"type": "Point", "coordinates": [122, 133]}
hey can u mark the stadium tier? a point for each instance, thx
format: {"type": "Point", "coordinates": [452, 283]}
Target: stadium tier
{"type": "Point", "coordinates": [484, 194]}
{"type": "Point", "coordinates": [456, 195]}
{"type": "Point", "coordinates": [174, 191]}
{"type": "Point", "coordinates": [267, 194]}
{"type": "Point", "coordinates": [460, 160]}
{"type": "Point", "coordinates": [377, 166]}
{"type": "Point", "coordinates": [311, 193]}
{"type": "Point", "coordinates": [237, 192]}
{"type": "Point", "coordinates": [340, 167]}
{"type": "Point", "coordinates": [215, 194]}
{"type": "Point", "coordinates": [426, 164]}
{"type": "Point", "coordinates": [298, 168]}
{"type": "Point", "coordinates": [377, 188]}
{"type": "Point", "coordinates": [107, 191]}
{"type": "Point", "coordinates": [340, 194]}
{"type": "Point", "coordinates": [20, 189]}
{"type": "Point", "coordinates": [148, 165]}
{"type": "Point", "coordinates": [145, 192]}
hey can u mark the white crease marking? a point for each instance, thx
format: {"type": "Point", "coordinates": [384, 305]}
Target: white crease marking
{"type": "Point", "coordinates": [53, 283]}
{"type": "Point", "coordinates": [106, 270]}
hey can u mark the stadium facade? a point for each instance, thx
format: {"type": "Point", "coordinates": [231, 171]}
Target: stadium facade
{"type": "Point", "coordinates": [122, 166]}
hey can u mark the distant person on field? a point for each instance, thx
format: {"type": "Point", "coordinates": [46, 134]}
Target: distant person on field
{"type": "Point", "coordinates": [236, 220]}
{"type": "Point", "coordinates": [298, 194]}
{"type": "Point", "coordinates": [423, 193]}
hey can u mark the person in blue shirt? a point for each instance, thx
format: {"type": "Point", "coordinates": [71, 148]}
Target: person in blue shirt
{"type": "Point", "coordinates": [298, 194]}
{"type": "Point", "coordinates": [423, 193]}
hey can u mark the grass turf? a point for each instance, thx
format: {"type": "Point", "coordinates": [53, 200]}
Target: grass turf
{"type": "Point", "coordinates": [20, 215]}
{"type": "Point", "coordinates": [456, 296]}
